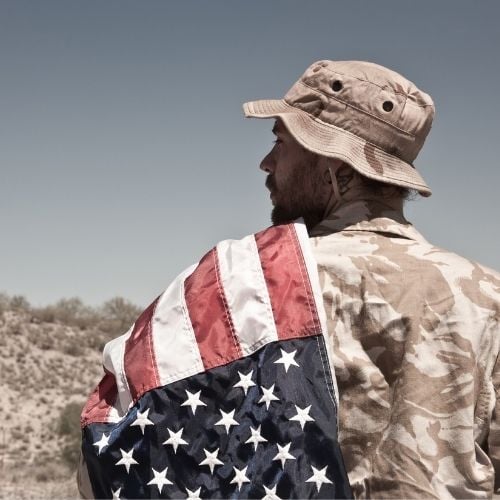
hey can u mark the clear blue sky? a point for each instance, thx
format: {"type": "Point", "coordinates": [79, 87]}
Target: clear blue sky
{"type": "Point", "coordinates": [124, 153]}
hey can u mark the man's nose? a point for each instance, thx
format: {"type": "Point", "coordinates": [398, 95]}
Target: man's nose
{"type": "Point", "coordinates": [267, 164]}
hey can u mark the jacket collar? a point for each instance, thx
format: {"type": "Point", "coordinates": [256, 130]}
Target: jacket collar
{"type": "Point", "coordinates": [367, 215]}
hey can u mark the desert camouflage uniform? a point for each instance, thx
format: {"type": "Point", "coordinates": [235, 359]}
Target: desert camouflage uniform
{"type": "Point", "coordinates": [415, 332]}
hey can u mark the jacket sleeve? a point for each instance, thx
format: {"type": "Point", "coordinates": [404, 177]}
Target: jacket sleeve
{"type": "Point", "coordinates": [494, 431]}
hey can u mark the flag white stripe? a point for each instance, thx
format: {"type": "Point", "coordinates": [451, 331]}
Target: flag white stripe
{"type": "Point", "coordinates": [176, 350]}
{"type": "Point", "coordinates": [246, 293]}
{"type": "Point", "coordinates": [312, 271]}
{"type": "Point", "coordinates": [112, 360]}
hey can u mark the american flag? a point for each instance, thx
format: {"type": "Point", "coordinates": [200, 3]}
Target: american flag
{"type": "Point", "coordinates": [222, 388]}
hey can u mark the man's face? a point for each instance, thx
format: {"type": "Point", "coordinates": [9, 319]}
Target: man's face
{"type": "Point", "coordinates": [295, 179]}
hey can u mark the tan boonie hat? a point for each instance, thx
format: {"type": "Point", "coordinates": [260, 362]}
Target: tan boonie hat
{"type": "Point", "coordinates": [362, 113]}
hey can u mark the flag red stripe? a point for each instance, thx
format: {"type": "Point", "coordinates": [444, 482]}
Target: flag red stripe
{"type": "Point", "coordinates": [209, 314]}
{"type": "Point", "coordinates": [101, 401]}
{"type": "Point", "coordinates": [288, 283]}
{"type": "Point", "coordinates": [139, 359]}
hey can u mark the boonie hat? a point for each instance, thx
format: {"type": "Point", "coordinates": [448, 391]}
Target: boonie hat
{"type": "Point", "coordinates": [369, 116]}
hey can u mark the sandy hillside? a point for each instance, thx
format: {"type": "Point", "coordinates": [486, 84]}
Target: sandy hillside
{"type": "Point", "coordinates": [47, 369]}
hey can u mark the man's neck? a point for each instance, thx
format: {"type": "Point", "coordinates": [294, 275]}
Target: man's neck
{"type": "Point", "coordinates": [359, 209]}
{"type": "Point", "coordinates": [358, 192]}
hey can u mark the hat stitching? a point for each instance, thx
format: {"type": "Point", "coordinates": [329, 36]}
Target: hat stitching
{"type": "Point", "coordinates": [403, 107]}
{"type": "Point", "coordinates": [382, 87]}
{"type": "Point", "coordinates": [415, 105]}
{"type": "Point", "coordinates": [355, 165]}
{"type": "Point", "coordinates": [342, 130]}
{"type": "Point", "coordinates": [359, 109]}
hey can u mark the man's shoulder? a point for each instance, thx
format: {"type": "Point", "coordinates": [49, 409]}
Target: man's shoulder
{"type": "Point", "coordinates": [459, 264]}
{"type": "Point", "coordinates": [358, 252]}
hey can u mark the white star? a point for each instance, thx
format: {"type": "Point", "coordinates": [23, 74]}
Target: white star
{"type": "Point", "coordinates": [256, 438]}
{"type": "Point", "coordinates": [159, 480]}
{"type": "Point", "coordinates": [283, 455]}
{"type": "Point", "coordinates": [211, 459]}
{"type": "Point", "coordinates": [271, 493]}
{"type": "Point", "coordinates": [240, 477]}
{"type": "Point", "coordinates": [193, 401]}
{"type": "Point", "coordinates": [245, 381]}
{"type": "Point", "coordinates": [302, 416]}
{"type": "Point", "coordinates": [227, 420]}
{"type": "Point", "coordinates": [142, 420]}
{"type": "Point", "coordinates": [287, 359]}
{"type": "Point", "coordinates": [102, 443]}
{"type": "Point", "coordinates": [175, 439]}
{"type": "Point", "coordinates": [126, 459]}
{"type": "Point", "coordinates": [268, 396]}
{"type": "Point", "coordinates": [193, 495]}
{"type": "Point", "coordinates": [116, 494]}
{"type": "Point", "coordinates": [318, 477]}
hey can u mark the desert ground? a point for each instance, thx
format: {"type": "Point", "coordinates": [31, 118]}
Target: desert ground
{"type": "Point", "coordinates": [50, 362]}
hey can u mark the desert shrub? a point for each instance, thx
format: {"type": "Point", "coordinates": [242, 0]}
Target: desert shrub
{"type": "Point", "coordinates": [101, 324]}
{"type": "Point", "coordinates": [73, 348]}
{"type": "Point", "coordinates": [118, 314]}
{"type": "Point", "coordinates": [70, 454]}
{"type": "Point", "coordinates": [16, 329]}
{"type": "Point", "coordinates": [68, 427]}
{"type": "Point", "coordinates": [69, 420]}
{"type": "Point", "coordinates": [71, 312]}
{"type": "Point", "coordinates": [47, 471]}
{"type": "Point", "coordinates": [42, 476]}
{"type": "Point", "coordinates": [44, 314]}
{"type": "Point", "coordinates": [19, 303]}
{"type": "Point", "coordinates": [4, 302]}
{"type": "Point", "coordinates": [45, 344]}
{"type": "Point", "coordinates": [17, 434]}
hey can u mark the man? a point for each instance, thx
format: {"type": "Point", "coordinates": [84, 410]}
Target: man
{"type": "Point", "coordinates": [412, 331]}
{"type": "Point", "coordinates": [415, 329]}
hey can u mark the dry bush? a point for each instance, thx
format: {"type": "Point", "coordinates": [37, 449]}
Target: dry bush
{"type": "Point", "coordinates": [70, 312]}
{"type": "Point", "coordinates": [117, 314]}
{"type": "Point", "coordinates": [69, 429]}
{"type": "Point", "coordinates": [73, 348]}
{"type": "Point", "coordinates": [49, 325]}
{"type": "Point", "coordinates": [4, 303]}
{"type": "Point", "coordinates": [19, 303]}
{"type": "Point", "coordinates": [17, 434]}
{"type": "Point", "coordinates": [47, 472]}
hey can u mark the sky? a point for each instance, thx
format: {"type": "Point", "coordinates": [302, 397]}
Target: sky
{"type": "Point", "coordinates": [125, 155]}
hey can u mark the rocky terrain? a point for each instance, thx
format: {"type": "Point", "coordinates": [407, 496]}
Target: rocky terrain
{"type": "Point", "coordinates": [49, 364]}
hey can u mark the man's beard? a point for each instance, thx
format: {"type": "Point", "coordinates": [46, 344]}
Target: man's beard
{"type": "Point", "coordinates": [298, 198]}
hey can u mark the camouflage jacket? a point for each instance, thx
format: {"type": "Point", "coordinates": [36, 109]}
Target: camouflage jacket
{"type": "Point", "coordinates": [415, 335]}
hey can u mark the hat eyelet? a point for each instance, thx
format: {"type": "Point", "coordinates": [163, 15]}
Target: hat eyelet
{"type": "Point", "coordinates": [387, 106]}
{"type": "Point", "coordinates": [337, 86]}
{"type": "Point", "coordinates": [316, 69]}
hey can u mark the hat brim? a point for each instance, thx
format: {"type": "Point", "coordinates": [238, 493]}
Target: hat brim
{"type": "Point", "coordinates": [328, 140]}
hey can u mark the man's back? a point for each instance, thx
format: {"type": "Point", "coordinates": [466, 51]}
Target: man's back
{"type": "Point", "coordinates": [415, 335]}
{"type": "Point", "coordinates": [414, 329]}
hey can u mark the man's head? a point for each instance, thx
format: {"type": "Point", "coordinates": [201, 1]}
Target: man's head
{"type": "Point", "coordinates": [298, 180]}
{"type": "Point", "coordinates": [341, 115]}
{"type": "Point", "coordinates": [304, 184]}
